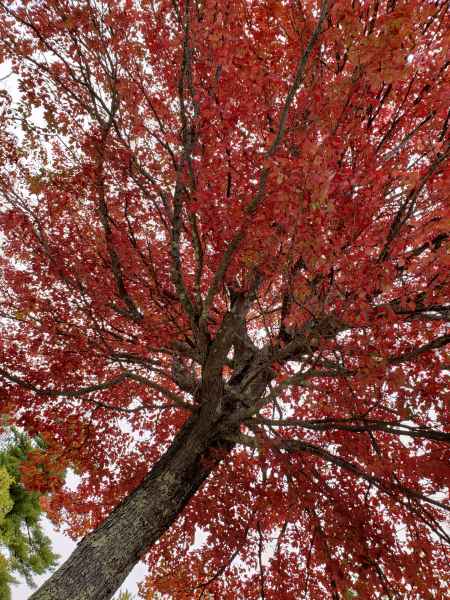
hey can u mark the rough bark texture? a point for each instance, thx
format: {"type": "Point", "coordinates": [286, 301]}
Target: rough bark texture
{"type": "Point", "coordinates": [104, 558]}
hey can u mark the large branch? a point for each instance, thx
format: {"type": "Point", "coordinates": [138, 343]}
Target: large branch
{"type": "Point", "coordinates": [82, 391]}
{"type": "Point", "coordinates": [358, 425]}
{"type": "Point", "coordinates": [188, 140]}
{"type": "Point", "coordinates": [75, 393]}
{"type": "Point", "coordinates": [116, 265]}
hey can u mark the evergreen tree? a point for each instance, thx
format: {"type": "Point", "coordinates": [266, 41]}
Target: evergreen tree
{"type": "Point", "coordinates": [24, 549]}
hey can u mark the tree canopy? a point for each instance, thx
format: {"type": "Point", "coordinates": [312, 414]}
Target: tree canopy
{"type": "Point", "coordinates": [225, 289]}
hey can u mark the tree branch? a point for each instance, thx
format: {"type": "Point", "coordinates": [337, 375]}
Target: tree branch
{"type": "Point", "coordinates": [281, 130]}
{"type": "Point", "coordinates": [359, 425]}
{"type": "Point", "coordinates": [296, 445]}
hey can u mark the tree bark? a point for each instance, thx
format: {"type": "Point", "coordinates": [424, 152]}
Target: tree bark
{"type": "Point", "coordinates": [104, 558]}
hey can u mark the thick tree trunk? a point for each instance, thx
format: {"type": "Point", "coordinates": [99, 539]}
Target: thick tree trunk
{"type": "Point", "coordinates": [104, 558]}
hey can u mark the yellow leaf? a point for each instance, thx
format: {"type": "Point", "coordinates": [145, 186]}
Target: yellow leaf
{"type": "Point", "coordinates": [35, 185]}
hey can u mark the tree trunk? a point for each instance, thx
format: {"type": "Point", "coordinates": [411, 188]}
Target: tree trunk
{"type": "Point", "coordinates": [104, 558]}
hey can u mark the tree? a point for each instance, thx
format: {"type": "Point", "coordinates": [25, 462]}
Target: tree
{"type": "Point", "coordinates": [225, 289]}
{"type": "Point", "coordinates": [28, 549]}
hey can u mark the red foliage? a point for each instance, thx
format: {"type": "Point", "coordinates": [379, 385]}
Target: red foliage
{"type": "Point", "coordinates": [162, 161]}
